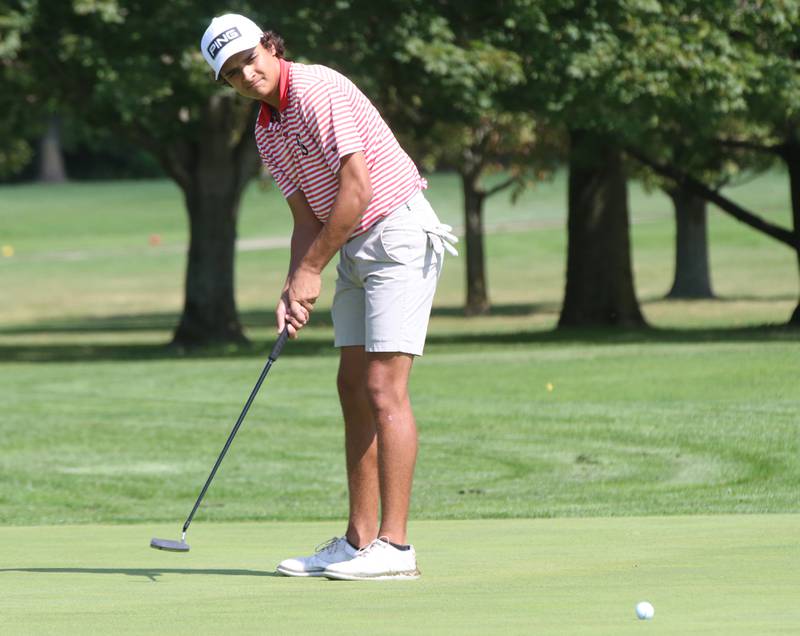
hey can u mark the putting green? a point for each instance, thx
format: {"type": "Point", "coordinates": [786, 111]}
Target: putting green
{"type": "Point", "coordinates": [721, 574]}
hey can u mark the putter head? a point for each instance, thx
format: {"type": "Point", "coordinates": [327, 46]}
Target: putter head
{"type": "Point", "coordinates": [170, 546]}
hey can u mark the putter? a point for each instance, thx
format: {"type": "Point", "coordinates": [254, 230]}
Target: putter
{"type": "Point", "coordinates": [182, 546]}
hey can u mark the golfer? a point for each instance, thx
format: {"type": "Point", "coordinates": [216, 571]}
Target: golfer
{"type": "Point", "coordinates": [353, 190]}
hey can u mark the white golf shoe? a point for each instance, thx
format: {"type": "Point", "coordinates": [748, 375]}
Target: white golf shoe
{"type": "Point", "coordinates": [379, 561]}
{"type": "Point", "coordinates": [336, 550]}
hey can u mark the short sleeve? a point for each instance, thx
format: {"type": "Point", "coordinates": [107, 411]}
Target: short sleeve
{"type": "Point", "coordinates": [330, 122]}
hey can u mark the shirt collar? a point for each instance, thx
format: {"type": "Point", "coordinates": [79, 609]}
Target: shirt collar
{"type": "Point", "coordinates": [265, 114]}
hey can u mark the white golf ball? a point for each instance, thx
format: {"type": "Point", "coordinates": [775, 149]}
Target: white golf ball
{"type": "Point", "coordinates": [645, 611]}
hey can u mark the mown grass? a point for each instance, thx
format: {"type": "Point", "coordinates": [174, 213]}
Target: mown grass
{"type": "Point", "coordinates": [103, 423]}
{"type": "Point", "coordinates": [704, 575]}
{"type": "Point", "coordinates": [628, 428]}
{"type": "Point", "coordinates": [82, 250]}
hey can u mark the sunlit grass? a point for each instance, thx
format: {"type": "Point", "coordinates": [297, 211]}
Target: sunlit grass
{"type": "Point", "coordinates": [101, 422]}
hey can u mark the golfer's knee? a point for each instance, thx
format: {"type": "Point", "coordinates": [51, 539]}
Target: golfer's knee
{"type": "Point", "coordinates": [385, 397]}
{"type": "Point", "coordinates": [349, 384]}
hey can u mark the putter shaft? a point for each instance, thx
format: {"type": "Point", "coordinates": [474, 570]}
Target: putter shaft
{"type": "Point", "coordinates": [276, 351]}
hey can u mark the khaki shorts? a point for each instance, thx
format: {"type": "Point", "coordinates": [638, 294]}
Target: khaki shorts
{"type": "Point", "coordinates": [387, 278]}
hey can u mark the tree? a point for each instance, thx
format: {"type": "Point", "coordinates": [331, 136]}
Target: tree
{"type": "Point", "coordinates": [643, 74]}
{"type": "Point", "coordinates": [767, 38]}
{"type": "Point", "coordinates": [574, 60]}
{"type": "Point", "coordinates": [719, 167]}
{"type": "Point", "coordinates": [438, 84]}
{"type": "Point", "coordinates": [507, 146]}
{"type": "Point", "coordinates": [51, 157]}
{"type": "Point", "coordinates": [692, 278]}
{"type": "Point", "coordinates": [136, 69]}
{"type": "Point", "coordinates": [743, 99]}
{"type": "Point", "coordinates": [739, 90]}
{"type": "Point", "coordinates": [599, 289]}
{"type": "Point", "coordinates": [19, 120]}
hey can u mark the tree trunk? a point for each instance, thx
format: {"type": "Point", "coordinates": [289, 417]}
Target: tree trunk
{"type": "Point", "coordinates": [209, 310]}
{"type": "Point", "coordinates": [792, 158]}
{"type": "Point", "coordinates": [477, 296]}
{"type": "Point", "coordinates": [51, 158]}
{"type": "Point", "coordinates": [599, 289]}
{"type": "Point", "coordinates": [692, 274]}
{"type": "Point", "coordinates": [213, 174]}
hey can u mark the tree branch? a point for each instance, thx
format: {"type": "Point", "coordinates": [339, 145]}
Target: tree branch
{"type": "Point", "coordinates": [775, 149]}
{"type": "Point", "coordinates": [726, 205]}
{"type": "Point", "coordinates": [500, 186]}
{"type": "Point", "coordinates": [176, 158]}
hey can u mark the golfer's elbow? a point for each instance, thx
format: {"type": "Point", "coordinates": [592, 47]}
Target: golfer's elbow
{"type": "Point", "coordinates": [359, 190]}
{"type": "Point", "coordinates": [364, 194]}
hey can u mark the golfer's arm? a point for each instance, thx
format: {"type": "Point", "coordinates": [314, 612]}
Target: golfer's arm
{"type": "Point", "coordinates": [355, 192]}
{"type": "Point", "coordinates": [306, 228]}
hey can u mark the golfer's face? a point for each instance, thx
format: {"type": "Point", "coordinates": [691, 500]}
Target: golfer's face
{"type": "Point", "coordinates": [253, 73]}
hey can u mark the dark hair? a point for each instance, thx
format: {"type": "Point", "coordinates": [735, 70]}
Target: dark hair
{"type": "Point", "coordinates": [270, 38]}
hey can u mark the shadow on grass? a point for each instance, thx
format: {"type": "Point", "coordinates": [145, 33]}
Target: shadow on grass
{"type": "Point", "coordinates": [314, 343]}
{"type": "Point", "coordinates": [167, 321]}
{"type": "Point", "coordinates": [150, 573]}
{"type": "Point", "coordinates": [317, 338]}
{"type": "Point", "coordinates": [252, 319]}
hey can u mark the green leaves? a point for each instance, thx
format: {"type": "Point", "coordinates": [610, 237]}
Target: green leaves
{"type": "Point", "coordinates": [637, 69]}
{"type": "Point", "coordinates": [107, 10]}
{"type": "Point", "coordinates": [19, 106]}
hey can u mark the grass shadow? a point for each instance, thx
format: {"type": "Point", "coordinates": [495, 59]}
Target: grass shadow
{"type": "Point", "coordinates": [259, 319]}
{"type": "Point", "coordinates": [150, 573]}
{"type": "Point", "coordinates": [310, 346]}
{"type": "Point", "coordinates": [251, 319]}
{"type": "Point", "coordinates": [314, 343]}
{"type": "Point", "coordinates": [721, 299]}
{"type": "Point", "coordinates": [499, 311]}
{"type": "Point", "coordinates": [317, 338]}
{"type": "Point", "coordinates": [122, 323]}
{"type": "Point", "coordinates": [624, 335]}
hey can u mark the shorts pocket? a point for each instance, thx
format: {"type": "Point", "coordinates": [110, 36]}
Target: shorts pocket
{"type": "Point", "coordinates": [403, 243]}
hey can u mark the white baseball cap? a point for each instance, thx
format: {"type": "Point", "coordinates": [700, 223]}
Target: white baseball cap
{"type": "Point", "coordinates": [228, 35]}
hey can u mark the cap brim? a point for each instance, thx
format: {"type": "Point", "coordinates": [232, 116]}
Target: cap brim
{"type": "Point", "coordinates": [236, 47]}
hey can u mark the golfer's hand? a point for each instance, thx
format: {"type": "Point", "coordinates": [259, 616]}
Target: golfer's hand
{"type": "Point", "coordinates": [285, 319]}
{"type": "Point", "coordinates": [302, 292]}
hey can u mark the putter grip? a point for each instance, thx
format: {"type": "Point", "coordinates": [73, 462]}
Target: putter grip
{"type": "Point", "coordinates": [276, 350]}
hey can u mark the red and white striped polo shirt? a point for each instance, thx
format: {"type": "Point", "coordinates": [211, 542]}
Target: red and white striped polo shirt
{"type": "Point", "coordinates": [322, 118]}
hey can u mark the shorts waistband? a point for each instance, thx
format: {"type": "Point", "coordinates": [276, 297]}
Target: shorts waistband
{"type": "Point", "coordinates": [408, 206]}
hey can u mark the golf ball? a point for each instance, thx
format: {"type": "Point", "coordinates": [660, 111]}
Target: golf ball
{"type": "Point", "coordinates": [645, 611]}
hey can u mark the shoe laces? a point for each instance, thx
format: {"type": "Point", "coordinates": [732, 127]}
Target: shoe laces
{"type": "Point", "coordinates": [330, 544]}
{"type": "Point", "coordinates": [377, 544]}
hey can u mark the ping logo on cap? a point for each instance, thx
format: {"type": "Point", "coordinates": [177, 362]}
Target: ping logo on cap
{"type": "Point", "coordinates": [219, 42]}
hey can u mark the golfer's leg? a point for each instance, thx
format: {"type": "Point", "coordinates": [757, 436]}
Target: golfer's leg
{"type": "Point", "coordinates": [387, 389]}
{"type": "Point", "coordinates": [360, 445]}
